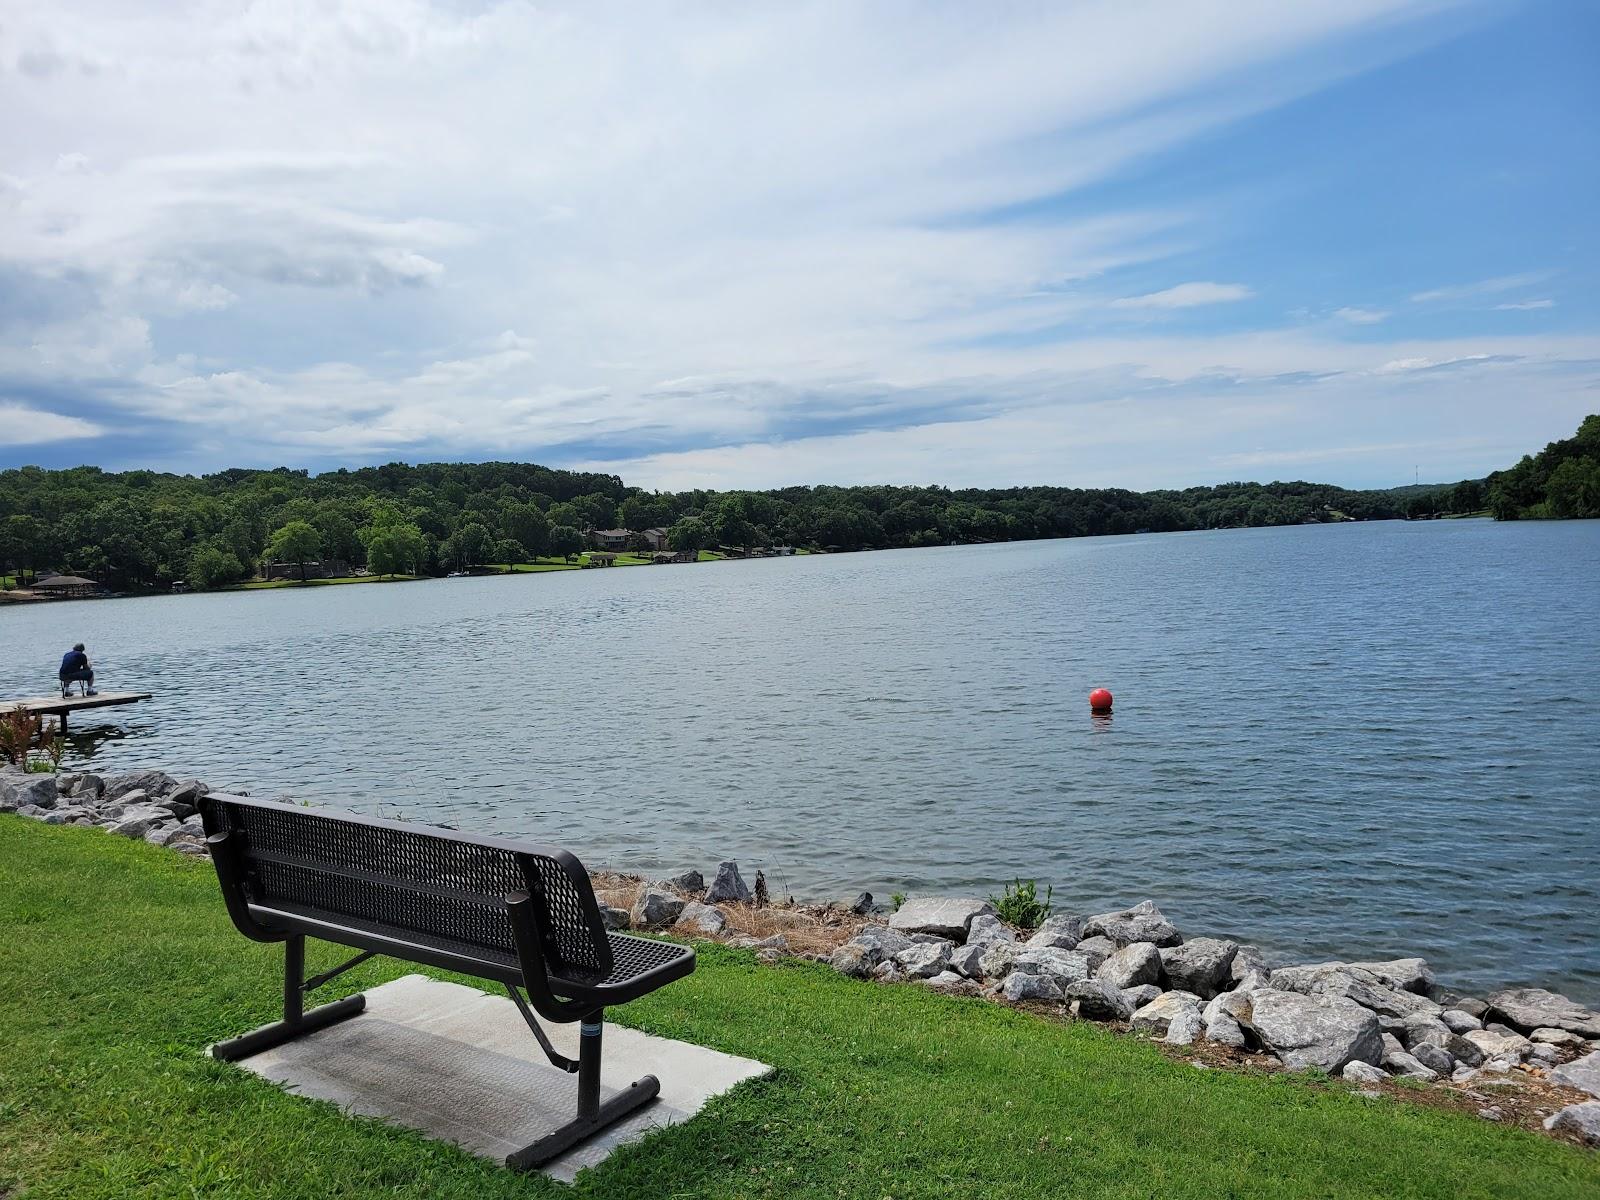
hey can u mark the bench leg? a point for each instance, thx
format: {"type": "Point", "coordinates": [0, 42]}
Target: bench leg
{"type": "Point", "coordinates": [593, 1116]}
{"type": "Point", "coordinates": [296, 1020]}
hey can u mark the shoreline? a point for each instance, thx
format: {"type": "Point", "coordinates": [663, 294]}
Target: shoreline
{"type": "Point", "coordinates": [1526, 1055]}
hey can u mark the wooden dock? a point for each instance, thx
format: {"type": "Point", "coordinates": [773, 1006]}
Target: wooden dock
{"type": "Point", "coordinates": [58, 706]}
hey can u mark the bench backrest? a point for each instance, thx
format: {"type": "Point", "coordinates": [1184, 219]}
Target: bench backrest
{"type": "Point", "coordinates": [446, 890]}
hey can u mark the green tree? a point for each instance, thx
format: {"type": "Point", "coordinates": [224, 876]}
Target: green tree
{"type": "Point", "coordinates": [691, 533]}
{"type": "Point", "coordinates": [473, 544]}
{"type": "Point", "coordinates": [509, 551]}
{"type": "Point", "coordinates": [394, 549]}
{"type": "Point", "coordinates": [527, 526]}
{"type": "Point", "coordinates": [565, 541]}
{"type": "Point", "coordinates": [1574, 489]}
{"type": "Point", "coordinates": [295, 542]}
{"type": "Point", "coordinates": [213, 567]}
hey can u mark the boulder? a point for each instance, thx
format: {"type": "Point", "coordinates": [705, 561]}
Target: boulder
{"type": "Point", "coordinates": [1422, 1030]}
{"type": "Point", "coordinates": [728, 887]}
{"type": "Point", "coordinates": [1096, 949]}
{"type": "Point", "coordinates": [153, 783]}
{"type": "Point", "coordinates": [1249, 958]}
{"type": "Point", "coordinates": [1464, 1052]}
{"type": "Point", "coordinates": [1203, 966]}
{"type": "Point", "coordinates": [1435, 1058]}
{"type": "Point", "coordinates": [135, 823]}
{"type": "Point", "coordinates": [1580, 1120]}
{"type": "Point", "coordinates": [1138, 997]}
{"type": "Point", "coordinates": [862, 904]}
{"type": "Point", "coordinates": [1143, 922]}
{"type": "Point", "coordinates": [1581, 1073]}
{"type": "Point", "coordinates": [1360, 1072]}
{"type": "Point", "coordinates": [702, 919]}
{"type": "Point", "coordinates": [1184, 1027]}
{"type": "Point", "coordinates": [888, 971]}
{"type": "Point", "coordinates": [987, 929]}
{"type": "Point", "coordinates": [1223, 1028]}
{"type": "Point", "coordinates": [655, 908]}
{"type": "Point", "coordinates": [615, 918]}
{"type": "Point", "coordinates": [1134, 964]}
{"type": "Point", "coordinates": [948, 981]}
{"type": "Point", "coordinates": [1555, 1037]}
{"type": "Point", "coordinates": [1326, 1031]}
{"type": "Point", "coordinates": [1155, 1017]}
{"type": "Point", "coordinates": [1097, 1000]}
{"type": "Point", "coordinates": [882, 941]}
{"type": "Point", "coordinates": [855, 960]}
{"type": "Point", "coordinates": [946, 918]}
{"type": "Point", "coordinates": [1470, 1005]}
{"type": "Point", "coordinates": [690, 881]}
{"type": "Point", "coordinates": [1020, 985]}
{"type": "Point", "coordinates": [967, 960]}
{"type": "Point", "coordinates": [1542, 1052]}
{"type": "Point", "coordinates": [924, 960]}
{"type": "Point", "coordinates": [998, 959]}
{"type": "Point", "coordinates": [1353, 983]}
{"type": "Point", "coordinates": [37, 790]}
{"type": "Point", "coordinates": [1498, 1045]}
{"type": "Point", "coordinates": [1064, 966]}
{"type": "Point", "coordinates": [65, 815]}
{"type": "Point", "coordinates": [1406, 974]}
{"type": "Point", "coordinates": [1459, 1021]}
{"type": "Point", "coordinates": [1536, 1008]}
{"type": "Point", "coordinates": [1062, 932]}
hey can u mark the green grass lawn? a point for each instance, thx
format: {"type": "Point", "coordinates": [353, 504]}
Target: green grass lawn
{"type": "Point", "coordinates": [119, 965]}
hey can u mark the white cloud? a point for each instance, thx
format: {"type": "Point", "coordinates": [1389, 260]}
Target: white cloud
{"type": "Point", "coordinates": [1361, 316]}
{"type": "Point", "coordinates": [1186, 295]}
{"type": "Point", "coordinates": [22, 425]}
{"type": "Point", "coordinates": [1525, 305]}
{"type": "Point", "coordinates": [1482, 287]}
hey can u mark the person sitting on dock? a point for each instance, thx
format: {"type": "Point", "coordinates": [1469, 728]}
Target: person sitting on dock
{"type": "Point", "coordinates": [75, 668]}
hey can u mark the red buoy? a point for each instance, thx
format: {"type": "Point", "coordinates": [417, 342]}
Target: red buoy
{"type": "Point", "coordinates": [1100, 700]}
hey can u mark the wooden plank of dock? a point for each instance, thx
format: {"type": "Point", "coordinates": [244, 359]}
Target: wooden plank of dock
{"type": "Point", "coordinates": [58, 706]}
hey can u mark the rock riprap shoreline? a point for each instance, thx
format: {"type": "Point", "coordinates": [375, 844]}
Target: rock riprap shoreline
{"type": "Point", "coordinates": [1522, 1052]}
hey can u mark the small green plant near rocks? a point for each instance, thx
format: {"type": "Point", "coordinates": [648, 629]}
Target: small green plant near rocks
{"type": "Point", "coordinates": [897, 899]}
{"type": "Point", "coordinates": [1020, 904]}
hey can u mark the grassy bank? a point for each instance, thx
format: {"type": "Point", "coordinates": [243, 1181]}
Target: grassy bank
{"type": "Point", "coordinates": [119, 965]}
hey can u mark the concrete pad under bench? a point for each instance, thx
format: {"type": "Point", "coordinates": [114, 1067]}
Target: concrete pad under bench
{"type": "Point", "coordinates": [457, 1064]}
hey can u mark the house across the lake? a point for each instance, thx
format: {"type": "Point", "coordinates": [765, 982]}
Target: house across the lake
{"type": "Point", "coordinates": [609, 539]}
{"type": "Point", "coordinates": [331, 568]}
{"type": "Point", "coordinates": [67, 587]}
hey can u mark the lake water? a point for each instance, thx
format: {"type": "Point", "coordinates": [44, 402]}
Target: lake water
{"type": "Point", "coordinates": [1334, 741]}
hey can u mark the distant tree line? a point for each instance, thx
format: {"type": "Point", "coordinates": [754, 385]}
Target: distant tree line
{"type": "Point", "coordinates": [143, 529]}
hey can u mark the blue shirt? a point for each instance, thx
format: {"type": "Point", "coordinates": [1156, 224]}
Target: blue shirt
{"type": "Point", "coordinates": [74, 660]}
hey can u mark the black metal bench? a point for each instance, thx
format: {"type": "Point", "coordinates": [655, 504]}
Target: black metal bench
{"type": "Point", "coordinates": [522, 915]}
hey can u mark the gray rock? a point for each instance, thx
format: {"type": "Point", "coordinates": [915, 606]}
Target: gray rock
{"type": "Point", "coordinates": [1405, 974]}
{"type": "Point", "coordinates": [655, 908]}
{"type": "Point", "coordinates": [1464, 1051]}
{"type": "Point", "coordinates": [1361, 1072]}
{"type": "Point", "coordinates": [1325, 1031]}
{"type": "Point", "coordinates": [65, 815]}
{"type": "Point", "coordinates": [689, 881]}
{"type": "Point", "coordinates": [1498, 1045]}
{"type": "Point", "coordinates": [1223, 1028]}
{"type": "Point", "coordinates": [1459, 1021]}
{"type": "Point", "coordinates": [1470, 1005]}
{"type": "Point", "coordinates": [1183, 1028]}
{"type": "Point", "coordinates": [1062, 932]}
{"type": "Point", "coordinates": [153, 783]}
{"type": "Point", "coordinates": [888, 971]}
{"type": "Point", "coordinates": [193, 827]}
{"type": "Point", "coordinates": [1555, 1037]}
{"type": "Point", "coordinates": [862, 905]}
{"type": "Point", "coordinates": [998, 959]}
{"type": "Point", "coordinates": [1064, 966]}
{"type": "Point", "coordinates": [37, 790]}
{"type": "Point", "coordinates": [1581, 1073]}
{"type": "Point", "coordinates": [89, 787]}
{"type": "Point", "coordinates": [703, 919]}
{"type": "Point", "coordinates": [1580, 1120]}
{"type": "Point", "coordinates": [133, 798]}
{"type": "Point", "coordinates": [855, 960]}
{"type": "Point", "coordinates": [948, 981]}
{"type": "Point", "coordinates": [986, 929]}
{"type": "Point", "coordinates": [1252, 981]}
{"type": "Point", "coordinates": [1097, 1000]}
{"type": "Point", "coordinates": [925, 959]}
{"type": "Point", "coordinates": [1134, 964]}
{"type": "Point", "coordinates": [615, 918]}
{"type": "Point", "coordinates": [1422, 1029]}
{"type": "Point", "coordinates": [1020, 985]}
{"type": "Point", "coordinates": [137, 823]}
{"type": "Point", "coordinates": [968, 960]}
{"type": "Point", "coordinates": [158, 836]}
{"type": "Point", "coordinates": [184, 800]}
{"type": "Point", "coordinates": [1156, 1017]}
{"type": "Point", "coordinates": [1435, 1058]}
{"type": "Point", "coordinates": [1138, 997]}
{"type": "Point", "coordinates": [729, 886]}
{"type": "Point", "coordinates": [946, 918]}
{"type": "Point", "coordinates": [1249, 958]}
{"type": "Point", "coordinates": [1203, 966]}
{"type": "Point", "coordinates": [1535, 1008]}
{"type": "Point", "coordinates": [1542, 1052]}
{"type": "Point", "coordinates": [1143, 922]}
{"type": "Point", "coordinates": [1096, 949]}
{"type": "Point", "coordinates": [1353, 983]}
{"type": "Point", "coordinates": [882, 941]}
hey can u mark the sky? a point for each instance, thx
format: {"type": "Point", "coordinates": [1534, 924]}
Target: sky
{"type": "Point", "coordinates": [1135, 243]}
